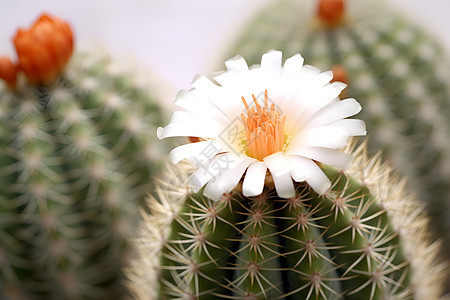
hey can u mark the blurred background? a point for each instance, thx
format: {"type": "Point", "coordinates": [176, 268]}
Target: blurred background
{"type": "Point", "coordinates": [176, 39]}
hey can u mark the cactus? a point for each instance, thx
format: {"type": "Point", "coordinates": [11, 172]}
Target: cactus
{"type": "Point", "coordinates": [363, 239]}
{"type": "Point", "coordinates": [289, 215]}
{"type": "Point", "coordinates": [398, 72]}
{"type": "Point", "coordinates": [76, 162]}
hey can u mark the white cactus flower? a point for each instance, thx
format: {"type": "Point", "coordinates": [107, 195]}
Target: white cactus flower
{"type": "Point", "coordinates": [281, 119]}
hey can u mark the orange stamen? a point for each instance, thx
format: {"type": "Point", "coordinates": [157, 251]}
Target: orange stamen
{"type": "Point", "coordinates": [264, 129]}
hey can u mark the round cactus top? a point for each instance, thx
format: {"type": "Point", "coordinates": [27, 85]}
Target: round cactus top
{"type": "Point", "coordinates": [43, 51]}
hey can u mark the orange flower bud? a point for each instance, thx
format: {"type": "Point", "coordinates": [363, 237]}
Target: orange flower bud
{"type": "Point", "coordinates": [340, 74]}
{"type": "Point", "coordinates": [44, 49]}
{"type": "Point", "coordinates": [331, 12]}
{"type": "Point", "coordinates": [8, 71]}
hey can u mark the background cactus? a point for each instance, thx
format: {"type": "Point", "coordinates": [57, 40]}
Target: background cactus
{"type": "Point", "coordinates": [77, 159]}
{"type": "Point", "coordinates": [395, 69]}
{"type": "Point", "coordinates": [364, 239]}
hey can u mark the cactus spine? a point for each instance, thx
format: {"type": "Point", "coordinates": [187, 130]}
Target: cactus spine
{"type": "Point", "coordinates": [76, 162]}
{"type": "Point", "coordinates": [396, 70]}
{"type": "Point", "coordinates": [364, 239]}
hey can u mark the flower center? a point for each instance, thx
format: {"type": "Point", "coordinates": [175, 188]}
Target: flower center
{"type": "Point", "coordinates": [264, 129]}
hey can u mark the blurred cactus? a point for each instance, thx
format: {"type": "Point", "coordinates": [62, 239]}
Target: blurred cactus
{"type": "Point", "coordinates": [396, 71]}
{"type": "Point", "coordinates": [77, 159]}
{"type": "Point", "coordinates": [364, 239]}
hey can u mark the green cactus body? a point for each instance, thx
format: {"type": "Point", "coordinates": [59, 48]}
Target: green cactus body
{"type": "Point", "coordinates": [397, 72]}
{"type": "Point", "coordinates": [363, 239]}
{"type": "Point", "coordinates": [76, 161]}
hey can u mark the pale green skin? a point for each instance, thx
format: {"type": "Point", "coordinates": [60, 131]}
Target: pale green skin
{"type": "Point", "coordinates": [396, 70]}
{"type": "Point", "coordinates": [72, 179]}
{"type": "Point", "coordinates": [225, 255]}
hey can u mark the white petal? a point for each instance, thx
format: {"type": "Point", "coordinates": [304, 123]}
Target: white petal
{"type": "Point", "coordinates": [194, 149]}
{"type": "Point", "coordinates": [353, 127]}
{"type": "Point", "coordinates": [271, 61]}
{"type": "Point", "coordinates": [329, 92]}
{"type": "Point", "coordinates": [228, 78]}
{"type": "Point", "coordinates": [190, 102]}
{"type": "Point", "coordinates": [254, 179]}
{"type": "Point", "coordinates": [307, 100]}
{"type": "Point", "coordinates": [187, 100]}
{"type": "Point", "coordinates": [289, 83]}
{"type": "Point", "coordinates": [324, 78]}
{"type": "Point", "coordinates": [333, 157]}
{"type": "Point", "coordinates": [334, 112]}
{"type": "Point", "coordinates": [224, 99]}
{"type": "Point", "coordinates": [189, 117]}
{"type": "Point", "coordinates": [200, 178]}
{"type": "Point", "coordinates": [237, 64]}
{"type": "Point", "coordinates": [199, 128]}
{"type": "Point", "coordinates": [325, 136]}
{"type": "Point", "coordinates": [278, 164]}
{"type": "Point", "coordinates": [207, 90]}
{"type": "Point", "coordinates": [318, 181]}
{"type": "Point", "coordinates": [284, 186]}
{"type": "Point", "coordinates": [293, 64]}
{"type": "Point", "coordinates": [279, 168]}
{"type": "Point", "coordinates": [226, 181]}
{"type": "Point", "coordinates": [201, 82]}
{"type": "Point", "coordinates": [298, 172]}
{"type": "Point", "coordinates": [310, 70]}
{"type": "Point", "coordinates": [340, 86]}
{"type": "Point", "coordinates": [209, 168]}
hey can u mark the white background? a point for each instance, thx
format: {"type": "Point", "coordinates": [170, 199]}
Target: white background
{"type": "Point", "coordinates": [176, 39]}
